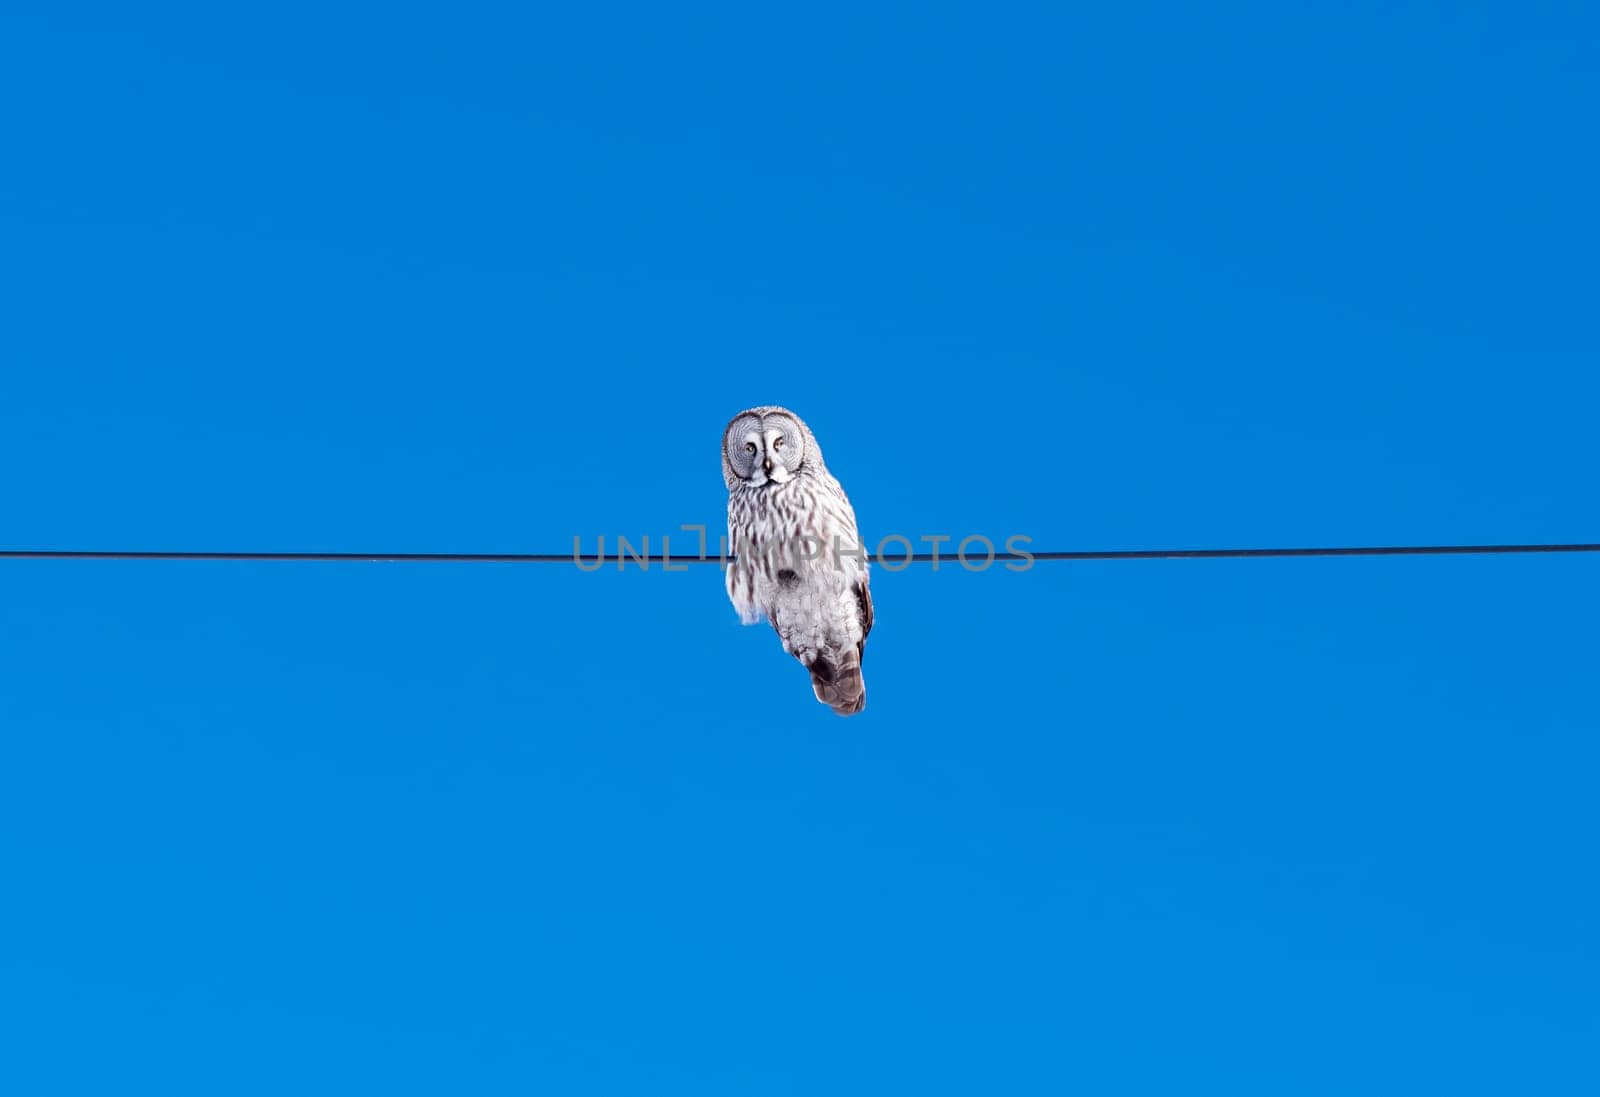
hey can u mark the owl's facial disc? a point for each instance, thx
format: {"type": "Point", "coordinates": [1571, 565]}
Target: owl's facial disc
{"type": "Point", "coordinates": [765, 451]}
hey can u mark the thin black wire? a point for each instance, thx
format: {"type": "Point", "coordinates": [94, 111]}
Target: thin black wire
{"type": "Point", "coordinates": [886, 558]}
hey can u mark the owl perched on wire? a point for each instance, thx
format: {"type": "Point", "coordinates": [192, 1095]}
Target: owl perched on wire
{"type": "Point", "coordinates": [798, 561]}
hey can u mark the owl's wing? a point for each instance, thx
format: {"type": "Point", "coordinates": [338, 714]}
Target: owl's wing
{"type": "Point", "coordinates": [864, 597]}
{"type": "Point", "coordinates": [835, 674]}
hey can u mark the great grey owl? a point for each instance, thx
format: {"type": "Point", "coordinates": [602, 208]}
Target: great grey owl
{"type": "Point", "coordinates": [798, 561]}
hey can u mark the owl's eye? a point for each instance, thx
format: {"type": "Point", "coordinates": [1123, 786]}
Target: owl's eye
{"type": "Point", "coordinates": [777, 443]}
{"type": "Point", "coordinates": [749, 447]}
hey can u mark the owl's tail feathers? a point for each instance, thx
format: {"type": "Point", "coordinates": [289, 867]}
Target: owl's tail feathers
{"type": "Point", "coordinates": [838, 683]}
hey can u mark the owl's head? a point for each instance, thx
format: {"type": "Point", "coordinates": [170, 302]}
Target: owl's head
{"type": "Point", "coordinates": [768, 445]}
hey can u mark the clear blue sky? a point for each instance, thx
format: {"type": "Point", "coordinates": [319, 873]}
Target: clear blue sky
{"type": "Point", "coordinates": [388, 278]}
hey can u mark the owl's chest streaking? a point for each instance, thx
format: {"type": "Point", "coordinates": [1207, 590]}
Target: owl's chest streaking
{"type": "Point", "coordinates": [790, 541]}
{"type": "Point", "coordinates": [807, 520]}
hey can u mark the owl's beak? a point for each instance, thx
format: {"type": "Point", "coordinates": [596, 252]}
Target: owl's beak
{"type": "Point", "coordinates": [766, 465]}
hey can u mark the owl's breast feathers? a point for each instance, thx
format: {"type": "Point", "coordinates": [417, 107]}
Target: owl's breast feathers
{"type": "Point", "coordinates": [799, 526]}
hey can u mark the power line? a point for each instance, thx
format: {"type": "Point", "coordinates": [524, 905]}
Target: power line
{"type": "Point", "coordinates": [675, 559]}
